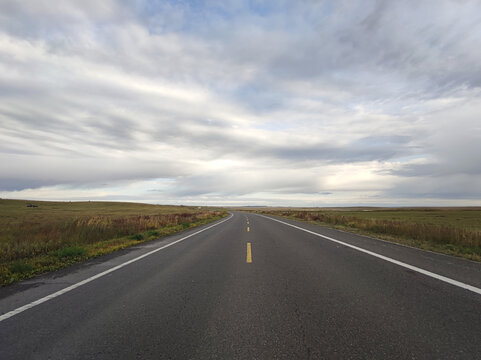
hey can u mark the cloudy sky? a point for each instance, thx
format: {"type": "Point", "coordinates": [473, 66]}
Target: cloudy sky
{"type": "Point", "coordinates": [308, 103]}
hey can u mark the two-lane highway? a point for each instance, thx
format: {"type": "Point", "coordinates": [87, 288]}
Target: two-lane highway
{"type": "Point", "coordinates": [250, 287]}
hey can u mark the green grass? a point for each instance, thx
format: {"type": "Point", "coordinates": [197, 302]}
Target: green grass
{"type": "Point", "coordinates": [153, 233]}
{"type": "Point", "coordinates": [20, 267]}
{"type": "Point", "coordinates": [70, 251]}
{"type": "Point", "coordinates": [53, 235]}
{"type": "Point", "coordinates": [453, 231]}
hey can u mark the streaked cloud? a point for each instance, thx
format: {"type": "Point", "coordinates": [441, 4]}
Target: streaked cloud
{"type": "Point", "coordinates": [296, 103]}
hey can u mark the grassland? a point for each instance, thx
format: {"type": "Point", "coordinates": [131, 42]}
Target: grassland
{"type": "Point", "coordinates": [53, 235]}
{"type": "Point", "coordinates": [452, 231]}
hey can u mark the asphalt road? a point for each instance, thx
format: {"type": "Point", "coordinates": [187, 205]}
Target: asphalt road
{"type": "Point", "coordinates": [301, 296]}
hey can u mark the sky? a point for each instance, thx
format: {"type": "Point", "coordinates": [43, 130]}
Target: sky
{"type": "Point", "coordinates": [282, 103]}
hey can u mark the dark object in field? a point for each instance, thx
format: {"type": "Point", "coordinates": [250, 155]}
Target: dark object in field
{"type": "Point", "coordinates": [32, 205]}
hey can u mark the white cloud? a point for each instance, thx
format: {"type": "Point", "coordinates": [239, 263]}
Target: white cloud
{"type": "Point", "coordinates": [305, 103]}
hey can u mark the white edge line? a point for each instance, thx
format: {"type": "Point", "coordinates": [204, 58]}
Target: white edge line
{"type": "Point", "coordinates": [99, 275]}
{"type": "Point", "coordinates": [400, 263]}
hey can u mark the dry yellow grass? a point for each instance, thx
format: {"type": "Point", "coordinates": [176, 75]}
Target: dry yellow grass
{"type": "Point", "coordinates": [454, 231]}
{"type": "Point", "coordinates": [55, 234]}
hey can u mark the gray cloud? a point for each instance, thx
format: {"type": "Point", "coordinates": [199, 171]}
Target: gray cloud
{"type": "Point", "coordinates": [375, 99]}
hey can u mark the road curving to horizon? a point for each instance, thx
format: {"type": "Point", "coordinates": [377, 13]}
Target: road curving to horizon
{"type": "Point", "coordinates": [250, 287]}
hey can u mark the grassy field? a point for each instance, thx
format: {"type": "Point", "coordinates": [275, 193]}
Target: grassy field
{"type": "Point", "coordinates": [53, 235]}
{"type": "Point", "coordinates": [453, 231]}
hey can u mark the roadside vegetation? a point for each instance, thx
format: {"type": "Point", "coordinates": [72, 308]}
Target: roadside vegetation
{"type": "Point", "coordinates": [37, 237]}
{"type": "Point", "coordinates": [452, 231]}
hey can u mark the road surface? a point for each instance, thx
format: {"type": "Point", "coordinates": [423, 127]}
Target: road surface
{"type": "Point", "coordinates": [250, 287]}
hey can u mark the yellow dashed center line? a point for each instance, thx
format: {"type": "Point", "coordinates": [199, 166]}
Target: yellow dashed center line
{"type": "Point", "coordinates": [248, 229]}
{"type": "Point", "coordinates": [249, 253]}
